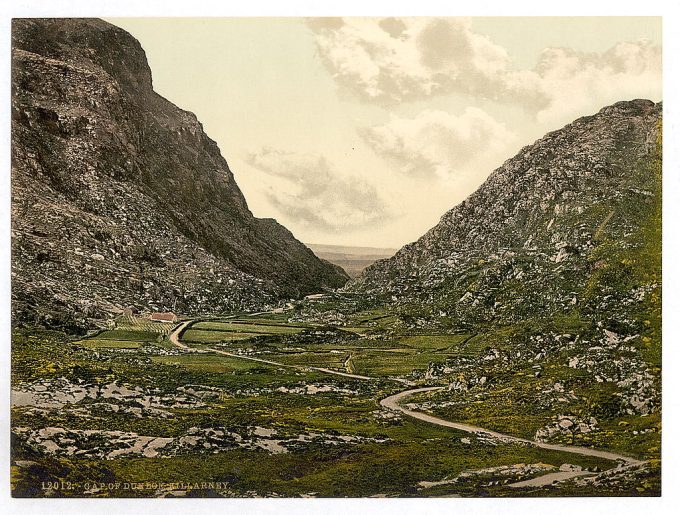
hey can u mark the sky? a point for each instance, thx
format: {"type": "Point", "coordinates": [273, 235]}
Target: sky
{"type": "Point", "coordinates": [365, 131]}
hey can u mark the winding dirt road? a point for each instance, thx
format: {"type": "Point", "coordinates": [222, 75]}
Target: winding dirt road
{"type": "Point", "coordinates": [174, 338]}
{"type": "Point", "coordinates": [393, 402]}
{"type": "Point", "coordinates": [174, 335]}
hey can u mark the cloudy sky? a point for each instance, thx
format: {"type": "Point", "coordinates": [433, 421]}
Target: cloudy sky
{"type": "Point", "coordinates": [364, 131]}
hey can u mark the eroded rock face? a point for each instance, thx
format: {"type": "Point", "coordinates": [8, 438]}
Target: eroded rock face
{"type": "Point", "coordinates": [120, 199]}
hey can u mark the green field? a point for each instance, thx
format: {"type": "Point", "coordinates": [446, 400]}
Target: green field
{"type": "Point", "coordinates": [315, 359]}
{"type": "Point", "coordinates": [209, 363]}
{"type": "Point", "coordinates": [248, 327]}
{"type": "Point", "coordinates": [109, 343]}
{"type": "Point", "coordinates": [208, 336]}
{"type": "Point", "coordinates": [129, 334]}
{"type": "Point", "coordinates": [143, 324]}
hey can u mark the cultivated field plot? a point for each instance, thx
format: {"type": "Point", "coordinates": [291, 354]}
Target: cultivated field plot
{"type": "Point", "coordinates": [143, 324]}
{"type": "Point", "coordinates": [211, 363]}
{"type": "Point", "coordinates": [124, 338]}
{"type": "Point", "coordinates": [316, 359]}
{"type": "Point", "coordinates": [210, 336]}
{"type": "Point", "coordinates": [435, 342]}
{"type": "Point", "coordinates": [95, 343]}
{"type": "Point", "coordinates": [129, 334]}
{"type": "Point", "coordinates": [249, 327]}
{"type": "Point", "coordinates": [396, 363]}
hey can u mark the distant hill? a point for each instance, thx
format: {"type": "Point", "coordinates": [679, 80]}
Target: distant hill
{"type": "Point", "coordinates": [120, 199]}
{"type": "Point", "coordinates": [352, 259]}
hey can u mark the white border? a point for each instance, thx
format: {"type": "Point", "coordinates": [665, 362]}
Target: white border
{"type": "Point", "coordinates": [670, 500]}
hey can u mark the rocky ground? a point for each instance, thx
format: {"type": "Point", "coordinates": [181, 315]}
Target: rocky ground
{"type": "Point", "coordinates": [100, 444]}
{"type": "Point", "coordinates": [159, 416]}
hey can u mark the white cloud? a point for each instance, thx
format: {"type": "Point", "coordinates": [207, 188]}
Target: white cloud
{"type": "Point", "coordinates": [579, 82]}
{"type": "Point", "coordinates": [436, 144]}
{"type": "Point", "coordinates": [392, 60]}
{"type": "Point", "coordinates": [314, 195]}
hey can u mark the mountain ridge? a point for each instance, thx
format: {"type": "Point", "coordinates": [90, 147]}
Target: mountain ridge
{"type": "Point", "coordinates": [131, 184]}
{"type": "Point", "coordinates": [567, 174]}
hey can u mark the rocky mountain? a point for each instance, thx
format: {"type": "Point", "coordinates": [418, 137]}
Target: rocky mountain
{"type": "Point", "coordinates": [571, 223]}
{"type": "Point", "coordinates": [551, 272]}
{"type": "Point", "coordinates": [119, 199]}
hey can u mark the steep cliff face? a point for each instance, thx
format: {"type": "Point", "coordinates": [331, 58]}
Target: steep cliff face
{"type": "Point", "coordinates": [571, 223]}
{"type": "Point", "coordinates": [120, 199]}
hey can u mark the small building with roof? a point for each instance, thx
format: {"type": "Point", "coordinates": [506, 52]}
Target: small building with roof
{"type": "Point", "coordinates": [169, 317]}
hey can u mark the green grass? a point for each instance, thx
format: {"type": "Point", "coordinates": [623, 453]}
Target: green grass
{"type": "Point", "coordinates": [435, 342]}
{"type": "Point", "coordinates": [202, 336]}
{"type": "Point", "coordinates": [122, 339]}
{"type": "Point", "coordinates": [128, 334]}
{"type": "Point", "coordinates": [245, 327]}
{"type": "Point", "coordinates": [110, 344]}
{"type": "Point", "coordinates": [210, 363]}
{"type": "Point", "coordinates": [313, 359]}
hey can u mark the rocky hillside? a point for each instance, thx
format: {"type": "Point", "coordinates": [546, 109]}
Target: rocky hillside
{"type": "Point", "coordinates": [551, 272]}
{"type": "Point", "coordinates": [557, 228]}
{"type": "Point", "coordinates": [119, 199]}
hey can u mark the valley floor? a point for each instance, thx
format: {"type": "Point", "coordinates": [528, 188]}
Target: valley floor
{"type": "Point", "coordinates": [278, 406]}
